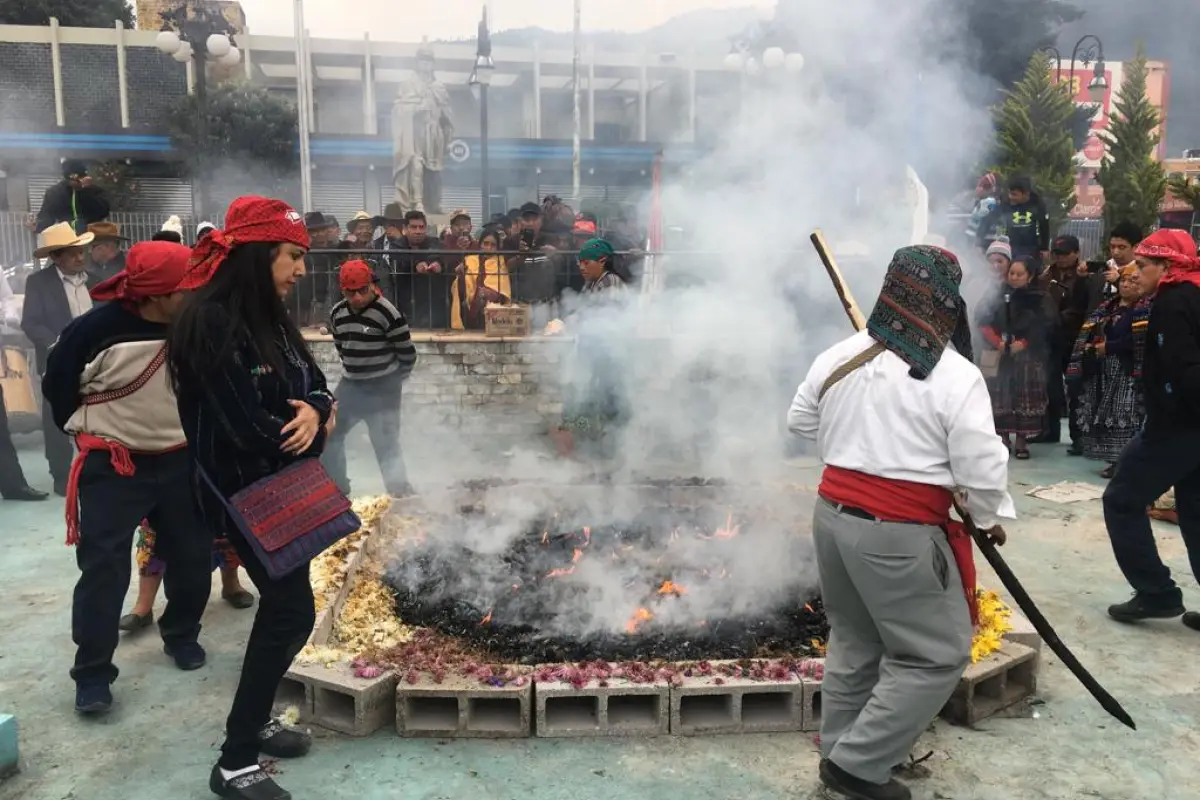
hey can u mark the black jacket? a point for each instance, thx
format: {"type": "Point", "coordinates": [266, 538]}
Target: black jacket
{"type": "Point", "coordinates": [105, 271]}
{"type": "Point", "coordinates": [423, 298]}
{"type": "Point", "coordinates": [1171, 370]}
{"type": "Point", "coordinates": [1026, 225]}
{"type": "Point", "coordinates": [90, 205]}
{"type": "Point", "coordinates": [46, 313]}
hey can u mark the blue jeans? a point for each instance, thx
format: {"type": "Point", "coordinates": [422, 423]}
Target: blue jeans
{"type": "Point", "coordinates": [1151, 465]}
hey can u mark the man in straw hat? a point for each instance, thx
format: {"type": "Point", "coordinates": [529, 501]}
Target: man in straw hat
{"type": "Point", "coordinates": [359, 231]}
{"type": "Point", "coordinates": [106, 257]}
{"type": "Point", "coordinates": [901, 419]}
{"type": "Point", "coordinates": [53, 297]}
{"type": "Point", "coordinates": [107, 385]}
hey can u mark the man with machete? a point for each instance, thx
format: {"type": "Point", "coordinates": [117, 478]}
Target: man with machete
{"type": "Point", "coordinates": [901, 420]}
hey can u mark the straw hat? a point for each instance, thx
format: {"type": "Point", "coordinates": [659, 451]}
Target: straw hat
{"type": "Point", "coordinates": [60, 237]}
{"type": "Point", "coordinates": [360, 216]}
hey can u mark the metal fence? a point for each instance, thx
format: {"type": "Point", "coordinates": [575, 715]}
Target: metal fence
{"type": "Point", "coordinates": [18, 241]}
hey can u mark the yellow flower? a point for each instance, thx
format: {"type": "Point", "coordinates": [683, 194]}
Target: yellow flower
{"type": "Point", "coordinates": [993, 624]}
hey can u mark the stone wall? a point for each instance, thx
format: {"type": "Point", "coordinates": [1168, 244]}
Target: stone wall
{"type": "Point", "coordinates": [26, 87]}
{"type": "Point", "coordinates": [471, 386]}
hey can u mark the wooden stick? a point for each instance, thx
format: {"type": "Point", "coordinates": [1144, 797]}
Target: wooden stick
{"type": "Point", "coordinates": [839, 283]}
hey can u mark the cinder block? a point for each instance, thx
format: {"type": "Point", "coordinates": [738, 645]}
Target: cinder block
{"type": "Point", "coordinates": [999, 681]}
{"type": "Point", "coordinates": [462, 708]}
{"type": "Point", "coordinates": [812, 680]}
{"type": "Point", "coordinates": [1023, 633]}
{"type": "Point", "coordinates": [619, 708]}
{"type": "Point", "coordinates": [713, 705]}
{"type": "Point", "coordinates": [351, 705]}
{"type": "Point", "coordinates": [9, 750]}
{"type": "Point", "coordinates": [296, 689]}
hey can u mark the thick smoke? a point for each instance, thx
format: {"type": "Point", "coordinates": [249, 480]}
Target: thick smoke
{"type": "Point", "coordinates": [707, 361]}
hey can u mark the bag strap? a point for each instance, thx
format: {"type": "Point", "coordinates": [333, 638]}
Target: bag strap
{"type": "Point", "coordinates": [853, 364]}
{"type": "Point", "coordinates": [141, 380]}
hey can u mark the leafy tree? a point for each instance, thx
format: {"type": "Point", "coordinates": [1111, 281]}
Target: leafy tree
{"type": "Point", "coordinates": [119, 185]}
{"type": "Point", "coordinates": [1033, 137]}
{"type": "Point", "coordinates": [73, 13]}
{"type": "Point", "coordinates": [251, 140]}
{"type": "Point", "coordinates": [1133, 179]}
{"type": "Point", "coordinates": [1185, 190]}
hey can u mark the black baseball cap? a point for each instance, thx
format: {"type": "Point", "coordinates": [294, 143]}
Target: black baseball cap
{"type": "Point", "coordinates": [1065, 244]}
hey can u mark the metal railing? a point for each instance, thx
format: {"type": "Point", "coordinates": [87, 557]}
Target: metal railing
{"type": "Point", "coordinates": [18, 241]}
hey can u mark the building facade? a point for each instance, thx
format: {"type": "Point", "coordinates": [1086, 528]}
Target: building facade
{"type": "Point", "coordinates": [104, 93]}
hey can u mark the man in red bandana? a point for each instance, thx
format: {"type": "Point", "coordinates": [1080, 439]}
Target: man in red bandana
{"type": "Point", "coordinates": [1167, 451]}
{"type": "Point", "coordinates": [108, 387]}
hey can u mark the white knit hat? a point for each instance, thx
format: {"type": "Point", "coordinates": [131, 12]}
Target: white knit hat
{"type": "Point", "coordinates": [1001, 247]}
{"type": "Point", "coordinates": [173, 224]}
{"type": "Point", "coordinates": [203, 228]}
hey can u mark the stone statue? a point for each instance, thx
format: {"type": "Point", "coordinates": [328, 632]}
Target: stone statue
{"type": "Point", "coordinates": [422, 126]}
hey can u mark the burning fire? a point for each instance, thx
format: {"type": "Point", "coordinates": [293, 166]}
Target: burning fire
{"type": "Point", "coordinates": [642, 615]}
{"type": "Point", "coordinates": [486, 619]}
{"type": "Point", "coordinates": [669, 587]}
{"type": "Point", "coordinates": [728, 532]}
{"type": "Point", "coordinates": [808, 608]}
{"type": "Point", "coordinates": [561, 571]}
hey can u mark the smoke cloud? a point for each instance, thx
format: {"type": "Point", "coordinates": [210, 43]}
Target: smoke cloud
{"type": "Point", "coordinates": [708, 360]}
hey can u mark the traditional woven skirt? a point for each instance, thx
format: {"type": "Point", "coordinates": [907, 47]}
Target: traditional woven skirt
{"type": "Point", "coordinates": [1019, 396]}
{"type": "Point", "coordinates": [149, 564]}
{"type": "Point", "coordinates": [1110, 411]}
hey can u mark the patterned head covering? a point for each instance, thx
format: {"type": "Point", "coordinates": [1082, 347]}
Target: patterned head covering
{"type": "Point", "coordinates": [355, 275]}
{"type": "Point", "coordinates": [596, 249]}
{"type": "Point", "coordinates": [152, 269]}
{"type": "Point", "coordinates": [249, 219]}
{"type": "Point", "coordinates": [1178, 249]}
{"type": "Point", "coordinates": [920, 309]}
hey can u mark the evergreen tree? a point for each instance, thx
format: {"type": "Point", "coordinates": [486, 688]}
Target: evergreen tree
{"type": "Point", "coordinates": [1185, 190]}
{"type": "Point", "coordinates": [1133, 179]}
{"type": "Point", "coordinates": [71, 13]}
{"type": "Point", "coordinates": [1033, 137]}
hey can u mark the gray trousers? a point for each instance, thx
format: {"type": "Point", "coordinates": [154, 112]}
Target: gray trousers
{"type": "Point", "coordinates": [900, 637]}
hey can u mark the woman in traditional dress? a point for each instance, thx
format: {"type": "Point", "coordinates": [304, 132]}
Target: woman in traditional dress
{"type": "Point", "coordinates": [150, 577]}
{"type": "Point", "coordinates": [595, 403]}
{"type": "Point", "coordinates": [253, 402]}
{"type": "Point", "coordinates": [1016, 327]}
{"type": "Point", "coordinates": [481, 280]}
{"type": "Point", "coordinates": [1107, 365]}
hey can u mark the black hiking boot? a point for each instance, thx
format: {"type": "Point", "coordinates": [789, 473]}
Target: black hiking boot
{"type": "Point", "coordinates": [1192, 620]}
{"type": "Point", "coordinates": [848, 786]}
{"type": "Point", "coordinates": [256, 785]}
{"type": "Point", "coordinates": [1145, 606]}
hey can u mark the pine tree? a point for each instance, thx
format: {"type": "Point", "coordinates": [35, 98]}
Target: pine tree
{"type": "Point", "coordinates": [1133, 179]}
{"type": "Point", "coordinates": [1033, 137]}
{"type": "Point", "coordinates": [1186, 190]}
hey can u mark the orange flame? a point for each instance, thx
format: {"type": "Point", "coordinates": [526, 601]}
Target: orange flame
{"type": "Point", "coordinates": [730, 530]}
{"type": "Point", "coordinates": [639, 617]}
{"type": "Point", "coordinates": [672, 588]}
{"type": "Point", "coordinates": [545, 536]}
{"type": "Point", "coordinates": [808, 608]}
{"type": "Point", "coordinates": [560, 572]}
{"type": "Point", "coordinates": [486, 619]}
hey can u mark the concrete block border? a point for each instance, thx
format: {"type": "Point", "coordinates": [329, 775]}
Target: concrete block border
{"type": "Point", "coordinates": [463, 708]}
{"type": "Point", "coordinates": [711, 705]}
{"type": "Point", "coordinates": [614, 707]}
{"type": "Point", "coordinates": [997, 682]}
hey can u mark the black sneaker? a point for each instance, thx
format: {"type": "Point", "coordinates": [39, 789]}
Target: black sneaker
{"type": "Point", "coordinates": [1192, 620]}
{"type": "Point", "coordinates": [93, 699]}
{"type": "Point", "coordinates": [256, 785]}
{"type": "Point", "coordinates": [187, 655]}
{"type": "Point", "coordinates": [846, 785]}
{"type": "Point", "coordinates": [1142, 606]}
{"type": "Point", "coordinates": [279, 741]}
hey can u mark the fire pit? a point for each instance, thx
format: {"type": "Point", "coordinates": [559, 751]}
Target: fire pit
{"type": "Point", "coordinates": [673, 570]}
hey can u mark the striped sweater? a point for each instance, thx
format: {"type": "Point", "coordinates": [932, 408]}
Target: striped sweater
{"type": "Point", "coordinates": [374, 342]}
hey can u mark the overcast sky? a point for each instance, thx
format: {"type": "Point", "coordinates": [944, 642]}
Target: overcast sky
{"type": "Point", "coordinates": [448, 19]}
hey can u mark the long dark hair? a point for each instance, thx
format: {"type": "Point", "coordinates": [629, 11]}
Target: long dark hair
{"type": "Point", "coordinates": [241, 301]}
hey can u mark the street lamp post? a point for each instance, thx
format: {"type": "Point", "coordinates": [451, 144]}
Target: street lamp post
{"type": "Point", "coordinates": [199, 33]}
{"type": "Point", "coordinates": [481, 79]}
{"type": "Point", "coordinates": [1087, 50]}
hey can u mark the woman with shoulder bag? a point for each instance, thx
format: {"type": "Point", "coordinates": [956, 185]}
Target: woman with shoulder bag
{"type": "Point", "coordinates": [256, 413]}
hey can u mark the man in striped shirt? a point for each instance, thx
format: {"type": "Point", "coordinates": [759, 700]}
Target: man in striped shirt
{"type": "Point", "coordinates": [377, 353]}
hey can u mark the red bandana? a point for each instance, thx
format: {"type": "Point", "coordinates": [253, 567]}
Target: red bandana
{"type": "Point", "coordinates": [1178, 250]}
{"type": "Point", "coordinates": [152, 269]}
{"type": "Point", "coordinates": [249, 219]}
{"type": "Point", "coordinates": [355, 275]}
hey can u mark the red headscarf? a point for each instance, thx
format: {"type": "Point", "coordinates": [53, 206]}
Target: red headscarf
{"type": "Point", "coordinates": [152, 269]}
{"type": "Point", "coordinates": [1178, 249]}
{"type": "Point", "coordinates": [355, 275]}
{"type": "Point", "coordinates": [249, 219]}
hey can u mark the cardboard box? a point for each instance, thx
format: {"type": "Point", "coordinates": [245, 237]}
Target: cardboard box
{"type": "Point", "coordinates": [500, 320]}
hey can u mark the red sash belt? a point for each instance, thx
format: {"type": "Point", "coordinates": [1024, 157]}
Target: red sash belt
{"type": "Point", "coordinates": [905, 501]}
{"type": "Point", "coordinates": [118, 455]}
